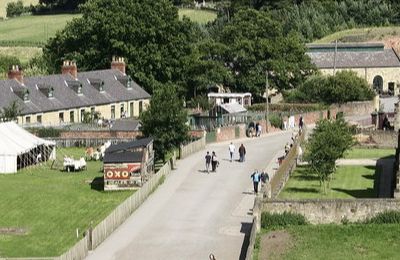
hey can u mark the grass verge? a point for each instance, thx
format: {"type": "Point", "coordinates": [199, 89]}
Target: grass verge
{"type": "Point", "coordinates": [347, 182]}
{"type": "Point", "coordinates": [50, 205]}
{"type": "Point", "coordinates": [360, 153]}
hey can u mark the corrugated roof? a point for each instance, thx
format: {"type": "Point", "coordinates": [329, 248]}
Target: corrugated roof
{"type": "Point", "coordinates": [65, 97]}
{"type": "Point", "coordinates": [232, 108]}
{"type": "Point", "coordinates": [129, 145]}
{"type": "Point", "coordinates": [123, 157]}
{"type": "Point", "coordinates": [355, 59]}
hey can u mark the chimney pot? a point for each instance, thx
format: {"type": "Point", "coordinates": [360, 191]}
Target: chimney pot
{"type": "Point", "coordinates": [16, 73]}
{"type": "Point", "coordinates": [118, 63]}
{"type": "Point", "coordinates": [69, 67]}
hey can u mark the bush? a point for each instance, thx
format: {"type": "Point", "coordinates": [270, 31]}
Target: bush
{"type": "Point", "coordinates": [48, 132]}
{"type": "Point", "coordinates": [386, 217]}
{"type": "Point", "coordinates": [16, 9]}
{"type": "Point", "coordinates": [269, 220]}
{"type": "Point", "coordinates": [276, 120]}
{"type": "Point", "coordinates": [288, 107]}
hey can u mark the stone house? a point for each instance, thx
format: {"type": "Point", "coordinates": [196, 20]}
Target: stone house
{"type": "Point", "coordinates": [65, 98]}
{"type": "Point", "coordinates": [380, 67]}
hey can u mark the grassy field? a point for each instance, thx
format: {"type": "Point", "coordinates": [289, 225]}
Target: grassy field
{"type": "Point", "coordinates": [3, 5]}
{"type": "Point", "coordinates": [359, 153]}
{"type": "Point", "coordinates": [342, 242]}
{"type": "Point", "coordinates": [198, 16]}
{"type": "Point", "coordinates": [24, 54]}
{"type": "Point", "coordinates": [50, 205]}
{"type": "Point", "coordinates": [348, 182]}
{"type": "Point", "coordinates": [32, 30]}
{"type": "Point", "coordinates": [362, 34]}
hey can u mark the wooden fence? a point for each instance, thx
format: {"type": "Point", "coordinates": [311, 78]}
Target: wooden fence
{"type": "Point", "coordinates": [78, 251]}
{"type": "Point", "coordinates": [192, 148]}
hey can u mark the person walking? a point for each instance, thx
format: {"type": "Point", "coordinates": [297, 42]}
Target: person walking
{"type": "Point", "coordinates": [242, 153]}
{"type": "Point", "coordinates": [208, 161]}
{"type": "Point", "coordinates": [231, 150]}
{"type": "Point", "coordinates": [214, 162]}
{"type": "Point", "coordinates": [301, 123]}
{"type": "Point", "coordinates": [256, 179]}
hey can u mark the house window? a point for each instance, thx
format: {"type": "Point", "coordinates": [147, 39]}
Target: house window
{"type": "Point", "coordinates": [112, 112]}
{"type": "Point", "coordinates": [140, 107]}
{"type": "Point", "coordinates": [71, 117]}
{"type": "Point", "coordinates": [61, 117]}
{"type": "Point", "coordinates": [122, 111]}
{"type": "Point", "coordinates": [28, 120]}
{"type": "Point", "coordinates": [131, 109]}
{"type": "Point", "coordinates": [82, 115]}
{"type": "Point", "coordinates": [39, 119]}
{"type": "Point", "coordinates": [225, 100]}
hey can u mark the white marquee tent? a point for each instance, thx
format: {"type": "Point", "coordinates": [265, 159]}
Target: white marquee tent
{"type": "Point", "coordinates": [19, 148]}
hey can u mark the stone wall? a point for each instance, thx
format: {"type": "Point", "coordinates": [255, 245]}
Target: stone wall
{"type": "Point", "coordinates": [332, 211]}
{"type": "Point", "coordinates": [380, 138]}
{"type": "Point", "coordinates": [100, 134]}
{"type": "Point", "coordinates": [229, 132]}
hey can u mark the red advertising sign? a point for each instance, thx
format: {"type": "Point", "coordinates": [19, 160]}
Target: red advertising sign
{"type": "Point", "coordinates": [120, 171]}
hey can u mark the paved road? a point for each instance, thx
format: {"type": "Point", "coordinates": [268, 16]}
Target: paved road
{"type": "Point", "coordinates": [194, 213]}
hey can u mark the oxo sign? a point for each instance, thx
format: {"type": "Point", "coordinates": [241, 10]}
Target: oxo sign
{"type": "Point", "coordinates": [119, 171]}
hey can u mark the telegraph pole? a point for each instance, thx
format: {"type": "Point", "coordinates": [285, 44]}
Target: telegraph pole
{"type": "Point", "coordinates": [266, 102]}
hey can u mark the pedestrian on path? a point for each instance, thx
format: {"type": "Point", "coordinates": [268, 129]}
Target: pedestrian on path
{"type": "Point", "coordinates": [208, 161]}
{"type": "Point", "coordinates": [242, 153]}
{"type": "Point", "coordinates": [214, 162]}
{"type": "Point", "coordinates": [256, 179]}
{"type": "Point", "coordinates": [231, 150]}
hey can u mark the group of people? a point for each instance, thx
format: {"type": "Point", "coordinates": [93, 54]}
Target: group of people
{"type": "Point", "coordinates": [258, 177]}
{"type": "Point", "coordinates": [211, 159]}
{"type": "Point", "coordinates": [242, 152]}
{"type": "Point", "coordinates": [290, 123]}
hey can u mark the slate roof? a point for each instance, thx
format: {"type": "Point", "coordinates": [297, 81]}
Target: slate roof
{"type": "Point", "coordinates": [232, 108]}
{"type": "Point", "coordinates": [123, 157]}
{"type": "Point", "coordinates": [65, 97]}
{"type": "Point", "coordinates": [355, 59]}
{"type": "Point", "coordinates": [129, 145]}
{"type": "Point", "coordinates": [125, 125]}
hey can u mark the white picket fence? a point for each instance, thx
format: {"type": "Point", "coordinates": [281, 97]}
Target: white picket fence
{"type": "Point", "coordinates": [186, 150]}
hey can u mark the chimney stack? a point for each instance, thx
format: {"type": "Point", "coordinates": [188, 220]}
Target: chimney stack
{"type": "Point", "coordinates": [118, 63]}
{"type": "Point", "coordinates": [70, 67]}
{"type": "Point", "coordinates": [15, 72]}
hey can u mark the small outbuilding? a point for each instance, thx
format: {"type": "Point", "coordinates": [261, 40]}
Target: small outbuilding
{"type": "Point", "coordinates": [128, 165]}
{"type": "Point", "coordinates": [20, 149]}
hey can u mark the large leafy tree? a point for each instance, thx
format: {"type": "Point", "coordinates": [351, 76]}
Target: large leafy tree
{"type": "Point", "coordinates": [328, 142]}
{"type": "Point", "coordinates": [62, 4]}
{"type": "Point", "coordinates": [253, 44]}
{"type": "Point", "coordinates": [165, 120]}
{"type": "Point", "coordinates": [344, 86]}
{"type": "Point", "coordinates": [148, 33]}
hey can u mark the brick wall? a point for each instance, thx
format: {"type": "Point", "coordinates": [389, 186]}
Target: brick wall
{"type": "Point", "coordinates": [100, 134]}
{"type": "Point", "coordinates": [332, 211]}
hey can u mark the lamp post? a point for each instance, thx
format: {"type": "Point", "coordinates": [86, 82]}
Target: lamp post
{"type": "Point", "coordinates": [266, 102]}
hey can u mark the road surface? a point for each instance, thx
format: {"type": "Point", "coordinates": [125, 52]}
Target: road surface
{"type": "Point", "coordinates": [193, 214]}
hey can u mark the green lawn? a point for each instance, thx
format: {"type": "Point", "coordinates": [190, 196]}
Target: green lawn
{"type": "Point", "coordinates": [32, 30]}
{"type": "Point", "coordinates": [359, 153]}
{"type": "Point", "coordinates": [24, 54]}
{"type": "Point", "coordinates": [343, 242]}
{"type": "Point", "coordinates": [348, 182]}
{"type": "Point", "coordinates": [3, 5]}
{"type": "Point", "coordinates": [361, 34]}
{"type": "Point", "coordinates": [51, 205]}
{"type": "Point", "coordinates": [197, 15]}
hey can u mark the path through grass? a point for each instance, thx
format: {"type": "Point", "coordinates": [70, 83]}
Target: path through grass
{"type": "Point", "coordinates": [51, 205]}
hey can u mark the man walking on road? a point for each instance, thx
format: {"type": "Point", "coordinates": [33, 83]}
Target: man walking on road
{"type": "Point", "coordinates": [242, 153]}
{"type": "Point", "coordinates": [231, 150]}
{"type": "Point", "coordinates": [214, 162]}
{"type": "Point", "coordinates": [208, 161]}
{"type": "Point", "coordinates": [256, 179]}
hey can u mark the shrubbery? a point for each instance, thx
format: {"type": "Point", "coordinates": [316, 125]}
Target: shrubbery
{"type": "Point", "coordinates": [48, 132]}
{"type": "Point", "coordinates": [288, 107]}
{"type": "Point", "coordinates": [16, 9]}
{"type": "Point", "coordinates": [269, 220]}
{"type": "Point", "coordinates": [276, 120]}
{"type": "Point", "coordinates": [386, 217]}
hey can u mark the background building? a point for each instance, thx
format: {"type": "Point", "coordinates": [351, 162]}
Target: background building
{"type": "Point", "coordinates": [380, 67]}
{"type": "Point", "coordinates": [66, 98]}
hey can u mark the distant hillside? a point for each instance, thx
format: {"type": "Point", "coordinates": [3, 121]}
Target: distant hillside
{"type": "Point", "coordinates": [3, 5]}
{"type": "Point", "coordinates": [390, 36]}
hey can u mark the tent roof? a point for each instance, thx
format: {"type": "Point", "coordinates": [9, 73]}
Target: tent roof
{"type": "Point", "coordinates": [16, 140]}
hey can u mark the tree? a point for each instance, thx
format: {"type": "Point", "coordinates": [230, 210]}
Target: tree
{"type": "Point", "coordinates": [62, 4]}
{"type": "Point", "coordinates": [11, 112]}
{"type": "Point", "coordinates": [165, 121]}
{"type": "Point", "coordinates": [148, 33]}
{"type": "Point", "coordinates": [328, 142]}
{"type": "Point", "coordinates": [15, 8]}
{"type": "Point", "coordinates": [345, 86]}
{"type": "Point", "coordinates": [253, 43]}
